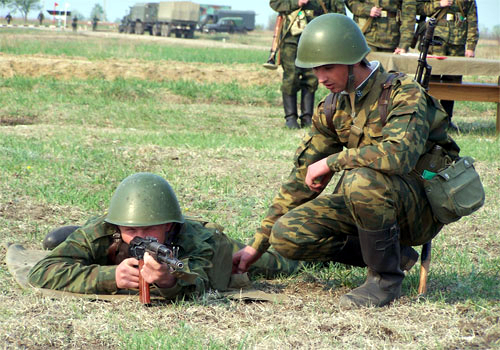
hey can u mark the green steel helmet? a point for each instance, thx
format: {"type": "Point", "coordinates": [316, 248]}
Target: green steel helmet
{"type": "Point", "coordinates": [144, 199]}
{"type": "Point", "coordinates": [331, 39]}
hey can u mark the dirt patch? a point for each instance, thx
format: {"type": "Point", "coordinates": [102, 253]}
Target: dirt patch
{"type": "Point", "coordinates": [67, 68]}
{"type": "Point", "coordinates": [16, 120]}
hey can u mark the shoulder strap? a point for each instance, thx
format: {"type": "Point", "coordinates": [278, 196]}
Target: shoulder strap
{"type": "Point", "coordinates": [329, 108]}
{"type": "Point", "coordinates": [383, 100]}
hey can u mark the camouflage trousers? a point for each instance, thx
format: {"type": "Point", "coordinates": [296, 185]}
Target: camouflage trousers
{"type": "Point", "coordinates": [366, 198]}
{"type": "Point", "coordinates": [294, 78]}
{"type": "Point", "coordinates": [447, 49]}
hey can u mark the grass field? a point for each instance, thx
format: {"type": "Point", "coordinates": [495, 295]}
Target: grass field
{"type": "Point", "coordinates": [214, 129]}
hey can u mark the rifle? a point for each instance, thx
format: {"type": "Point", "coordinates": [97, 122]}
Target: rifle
{"type": "Point", "coordinates": [273, 60]}
{"type": "Point", "coordinates": [160, 252]}
{"type": "Point", "coordinates": [423, 68]}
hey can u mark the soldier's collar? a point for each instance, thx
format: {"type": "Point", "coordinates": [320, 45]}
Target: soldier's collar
{"type": "Point", "coordinates": [361, 90]}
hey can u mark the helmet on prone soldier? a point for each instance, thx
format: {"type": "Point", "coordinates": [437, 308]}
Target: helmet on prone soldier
{"type": "Point", "coordinates": [144, 199]}
{"type": "Point", "coordinates": [331, 39]}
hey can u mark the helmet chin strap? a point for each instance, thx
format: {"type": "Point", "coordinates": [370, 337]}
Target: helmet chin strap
{"type": "Point", "coordinates": [351, 88]}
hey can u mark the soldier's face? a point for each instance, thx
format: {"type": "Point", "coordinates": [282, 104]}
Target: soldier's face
{"type": "Point", "coordinates": [156, 231]}
{"type": "Point", "coordinates": [332, 76]}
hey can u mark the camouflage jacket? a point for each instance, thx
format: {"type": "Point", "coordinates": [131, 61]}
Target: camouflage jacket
{"type": "Point", "coordinates": [393, 148]}
{"type": "Point", "coordinates": [311, 10]}
{"type": "Point", "coordinates": [394, 28]}
{"type": "Point", "coordinates": [81, 264]}
{"type": "Point", "coordinates": [458, 25]}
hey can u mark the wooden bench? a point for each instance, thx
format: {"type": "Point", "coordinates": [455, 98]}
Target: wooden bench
{"type": "Point", "coordinates": [468, 92]}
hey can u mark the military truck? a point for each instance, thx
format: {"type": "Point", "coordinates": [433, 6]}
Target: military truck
{"type": "Point", "coordinates": [164, 18]}
{"type": "Point", "coordinates": [226, 25]}
{"type": "Point", "coordinates": [248, 17]}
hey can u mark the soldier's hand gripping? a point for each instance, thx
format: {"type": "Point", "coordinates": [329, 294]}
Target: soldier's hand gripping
{"type": "Point", "coordinates": [318, 175]}
{"type": "Point", "coordinates": [445, 3]}
{"type": "Point", "coordinates": [157, 273]}
{"type": "Point", "coordinates": [302, 2]}
{"type": "Point", "coordinates": [127, 274]}
{"type": "Point", "coordinates": [375, 11]}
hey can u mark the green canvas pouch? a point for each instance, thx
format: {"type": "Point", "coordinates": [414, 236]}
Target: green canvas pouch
{"type": "Point", "coordinates": [455, 191]}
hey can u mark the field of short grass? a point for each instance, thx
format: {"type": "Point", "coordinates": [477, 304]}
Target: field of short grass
{"type": "Point", "coordinates": [66, 143]}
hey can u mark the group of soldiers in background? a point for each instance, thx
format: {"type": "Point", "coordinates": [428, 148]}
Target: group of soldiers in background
{"type": "Point", "coordinates": [388, 26]}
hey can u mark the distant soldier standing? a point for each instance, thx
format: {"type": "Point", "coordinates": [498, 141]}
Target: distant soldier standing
{"type": "Point", "coordinates": [40, 18]}
{"type": "Point", "coordinates": [297, 13]}
{"type": "Point", "coordinates": [8, 18]}
{"type": "Point", "coordinates": [74, 24]}
{"type": "Point", "coordinates": [94, 23]}
{"type": "Point", "coordinates": [457, 30]}
{"type": "Point", "coordinates": [387, 25]}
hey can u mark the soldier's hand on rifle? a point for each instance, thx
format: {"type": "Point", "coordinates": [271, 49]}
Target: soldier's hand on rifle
{"type": "Point", "coordinates": [318, 175]}
{"type": "Point", "coordinates": [302, 2]}
{"type": "Point", "coordinates": [375, 12]}
{"type": "Point", "coordinates": [399, 51]}
{"type": "Point", "coordinates": [127, 274]}
{"type": "Point", "coordinates": [445, 3]}
{"type": "Point", "coordinates": [157, 273]}
{"type": "Point", "coordinates": [470, 53]}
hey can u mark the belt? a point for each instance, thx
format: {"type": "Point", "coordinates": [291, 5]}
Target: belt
{"type": "Point", "coordinates": [389, 14]}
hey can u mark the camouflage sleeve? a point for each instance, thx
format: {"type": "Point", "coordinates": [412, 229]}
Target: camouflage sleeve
{"type": "Point", "coordinates": [77, 265]}
{"type": "Point", "coordinates": [317, 144]}
{"type": "Point", "coordinates": [338, 6]}
{"type": "Point", "coordinates": [429, 7]}
{"type": "Point", "coordinates": [402, 139]}
{"type": "Point", "coordinates": [408, 20]}
{"type": "Point", "coordinates": [472, 27]}
{"type": "Point", "coordinates": [284, 5]}
{"type": "Point", "coordinates": [359, 8]}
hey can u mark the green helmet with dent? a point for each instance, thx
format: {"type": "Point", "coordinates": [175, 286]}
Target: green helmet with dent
{"type": "Point", "coordinates": [331, 39]}
{"type": "Point", "coordinates": [144, 199]}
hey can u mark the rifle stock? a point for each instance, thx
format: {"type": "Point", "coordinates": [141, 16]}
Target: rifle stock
{"type": "Point", "coordinates": [425, 262]}
{"type": "Point", "coordinates": [144, 296]}
{"type": "Point", "coordinates": [273, 60]}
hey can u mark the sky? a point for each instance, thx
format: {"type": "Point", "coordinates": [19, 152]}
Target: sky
{"type": "Point", "coordinates": [488, 10]}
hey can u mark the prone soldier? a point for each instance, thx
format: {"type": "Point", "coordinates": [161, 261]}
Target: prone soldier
{"type": "Point", "coordinates": [95, 258]}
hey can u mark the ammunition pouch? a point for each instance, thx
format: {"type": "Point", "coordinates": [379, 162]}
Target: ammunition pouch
{"type": "Point", "coordinates": [455, 191]}
{"type": "Point", "coordinates": [298, 22]}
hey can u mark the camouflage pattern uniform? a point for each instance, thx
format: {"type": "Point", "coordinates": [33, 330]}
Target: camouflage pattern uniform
{"type": "Point", "coordinates": [379, 185]}
{"type": "Point", "coordinates": [294, 78]}
{"type": "Point", "coordinates": [82, 263]}
{"type": "Point", "coordinates": [393, 29]}
{"type": "Point", "coordinates": [456, 30]}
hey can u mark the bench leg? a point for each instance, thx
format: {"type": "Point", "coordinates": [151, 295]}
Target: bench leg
{"type": "Point", "coordinates": [425, 262]}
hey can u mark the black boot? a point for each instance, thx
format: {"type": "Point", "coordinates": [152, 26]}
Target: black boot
{"type": "Point", "coordinates": [290, 106]}
{"type": "Point", "coordinates": [350, 254]}
{"type": "Point", "coordinates": [57, 236]}
{"type": "Point", "coordinates": [448, 107]}
{"type": "Point", "coordinates": [381, 252]}
{"type": "Point", "coordinates": [306, 107]}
